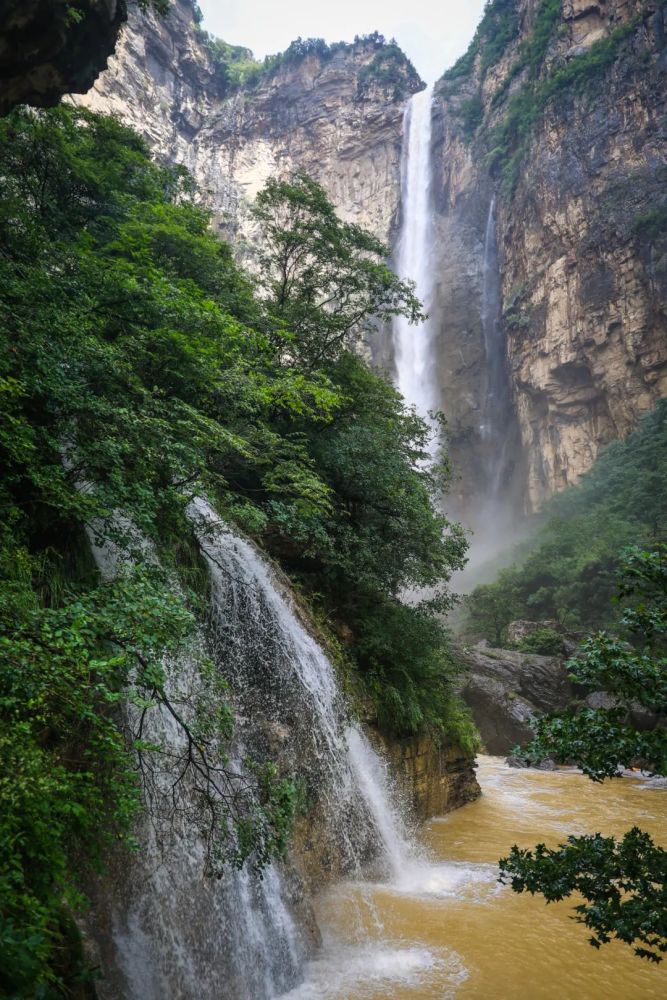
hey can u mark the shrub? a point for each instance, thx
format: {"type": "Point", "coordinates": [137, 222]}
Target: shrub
{"type": "Point", "coordinates": [543, 641]}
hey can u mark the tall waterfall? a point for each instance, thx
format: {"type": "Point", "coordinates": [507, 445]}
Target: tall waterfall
{"type": "Point", "coordinates": [171, 931]}
{"type": "Point", "coordinates": [497, 415]}
{"type": "Point", "coordinates": [414, 348]}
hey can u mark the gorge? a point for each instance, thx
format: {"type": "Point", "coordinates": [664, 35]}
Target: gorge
{"type": "Point", "coordinates": [235, 714]}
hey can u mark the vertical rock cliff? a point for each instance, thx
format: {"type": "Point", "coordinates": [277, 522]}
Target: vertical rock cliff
{"type": "Point", "coordinates": [562, 107]}
{"type": "Point", "coordinates": [335, 113]}
{"type": "Point", "coordinates": [558, 107]}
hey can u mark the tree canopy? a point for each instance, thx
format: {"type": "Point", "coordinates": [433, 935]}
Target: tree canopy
{"type": "Point", "coordinates": [140, 367]}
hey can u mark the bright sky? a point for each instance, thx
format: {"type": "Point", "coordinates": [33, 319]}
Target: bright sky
{"type": "Point", "coordinates": [433, 33]}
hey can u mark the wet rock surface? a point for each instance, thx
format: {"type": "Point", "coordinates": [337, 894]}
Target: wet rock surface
{"type": "Point", "coordinates": [506, 689]}
{"type": "Point", "coordinates": [434, 779]}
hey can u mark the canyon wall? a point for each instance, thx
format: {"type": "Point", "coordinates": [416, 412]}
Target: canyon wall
{"type": "Point", "coordinates": [562, 108]}
{"type": "Point", "coordinates": [558, 108]}
{"type": "Point", "coordinates": [337, 116]}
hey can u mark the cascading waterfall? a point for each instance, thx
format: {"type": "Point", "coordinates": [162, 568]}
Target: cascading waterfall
{"type": "Point", "coordinates": [286, 685]}
{"type": "Point", "coordinates": [175, 932]}
{"type": "Point", "coordinates": [494, 515]}
{"type": "Point", "coordinates": [414, 348]}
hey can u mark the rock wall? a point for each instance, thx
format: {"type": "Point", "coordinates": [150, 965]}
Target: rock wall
{"type": "Point", "coordinates": [505, 690]}
{"type": "Point", "coordinates": [433, 779]}
{"type": "Point", "coordinates": [329, 115]}
{"type": "Point", "coordinates": [576, 146]}
{"type": "Point", "coordinates": [584, 263]}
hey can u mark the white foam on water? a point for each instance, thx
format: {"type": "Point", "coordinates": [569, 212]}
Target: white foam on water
{"type": "Point", "coordinates": [448, 880]}
{"type": "Point", "coordinates": [364, 971]}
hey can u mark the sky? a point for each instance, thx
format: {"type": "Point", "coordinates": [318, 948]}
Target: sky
{"type": "Point", "coordinates": [433, 33]}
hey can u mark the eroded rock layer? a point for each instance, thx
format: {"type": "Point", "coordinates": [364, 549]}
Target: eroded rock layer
{"type": "Point", "coordinates": [559, 108]}
{"type": "Point", "coordinates": [337, 116]}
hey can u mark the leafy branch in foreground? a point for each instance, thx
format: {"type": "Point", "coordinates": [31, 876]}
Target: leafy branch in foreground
{"type": "Point", "coordinates": [623, 883]}
{"type": "Point", "coordinates": [324, 280]}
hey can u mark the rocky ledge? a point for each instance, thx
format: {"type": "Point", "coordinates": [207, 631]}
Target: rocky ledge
{"type": "Point", "coordinates": [53, 47]}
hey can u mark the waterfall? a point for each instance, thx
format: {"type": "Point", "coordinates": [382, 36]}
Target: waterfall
{"type": "Point", "coordinates": [497, 416]}
{"type": "Point", "coordinates": [282, 677]}
{"type": "Point", "coordinates": [172, 931]}
{"type": "Point", "coordinates": [168, 930]}
{"type": "Point", "coordinates": [375, 784]}
{"type": "Point", "coordinates": [414, 348]}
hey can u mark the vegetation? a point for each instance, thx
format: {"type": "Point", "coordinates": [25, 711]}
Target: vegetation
{"type": "Point", "coordinates": [139, 368]}
{"type": "Point", "coordinates": [389, 68]}
{"type": "Point", "coordinates": [541, 84]}
{"type": "Point", "coordinates": [623, 883]}
{"type": "Point", "coordinates": [568, 573]}
{"type": "Point", "coordinates": [498, 27]}
{"type": "Point", "coordinates": [235, 65]}
{"type": "Point", "coordinates": [543, 641]}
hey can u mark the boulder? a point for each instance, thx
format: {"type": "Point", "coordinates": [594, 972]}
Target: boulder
{"type": "Point", "coordinates": [506, 689]}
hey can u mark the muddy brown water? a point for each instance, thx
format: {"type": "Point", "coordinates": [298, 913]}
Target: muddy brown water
{"type": "Point", "coordinates": [445, 927]}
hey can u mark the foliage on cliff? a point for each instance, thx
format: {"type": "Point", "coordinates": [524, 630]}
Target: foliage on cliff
{"type": "Point", "coordinates": [388, 68]}
{"type": "Point", "coordinates": [623, 883]}
{"type": "Point", "coordinates": [541, 73]}
{"type": "Point", "coordinates": [568, 573]}
{"type": "Point", "coordinates": [138, 368]}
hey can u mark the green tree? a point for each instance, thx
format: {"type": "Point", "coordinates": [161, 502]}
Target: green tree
{"type": "Point", "coordinates": [139, 369]}
{"type": "Point", "coordinates": [567, 570]}
{"type": "Point", "coordinates": [323, 281]}
{"type": "Point", "coordinates": [623, 883]}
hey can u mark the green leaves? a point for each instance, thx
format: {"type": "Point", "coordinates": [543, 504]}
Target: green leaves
{"type": "Point", "coordinates": [139, 367]}
{"type": "Point", "coordinates": [323, 281]}
{"type": "Point", "coordinates": [568, 571]}
{"type": "Point", "coordinates": [623, 883]}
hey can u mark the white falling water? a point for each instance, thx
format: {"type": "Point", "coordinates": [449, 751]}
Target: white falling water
{"type": "Point", "coordinates": [176, 932]}
{"type": "Point", "coordinates": [414, 353]}
{"type": "Point", "coordinates": [283, 673]}
{"type": "Point", "coordinates": [375, 784]}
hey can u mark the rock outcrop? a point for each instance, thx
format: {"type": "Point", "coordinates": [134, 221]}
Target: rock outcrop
{"type": "Point", "coordinates": [433, 779]}
{"type": "Point", "coordinates": [505, 690]}
{"type": "Point", "coordinates": [53, 47]}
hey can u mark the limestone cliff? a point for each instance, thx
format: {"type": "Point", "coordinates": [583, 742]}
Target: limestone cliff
{"type": "Point", "coordinates": [336, 114]}
{"type": "Point", "coordinates": [559, 108]}
{"type": "Point", "coordinates": [562, 108]}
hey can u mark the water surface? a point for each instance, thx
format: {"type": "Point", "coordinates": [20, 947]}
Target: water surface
{"type": "Point", "coordinates": [443, 927]}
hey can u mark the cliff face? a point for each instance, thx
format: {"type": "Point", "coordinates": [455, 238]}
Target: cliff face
{"type": "Point", "coordinates": [568, 120]}
{"type": "Point", "coordinates": [335, 115]}
{"type": "Point", "coordinates": [559, 108]}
